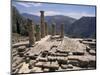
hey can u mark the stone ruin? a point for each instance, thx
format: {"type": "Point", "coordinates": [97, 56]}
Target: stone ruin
{"type": "Point", "coordinates": [42, 30]}
{"type": "Point", "coordinates": [49, 53]}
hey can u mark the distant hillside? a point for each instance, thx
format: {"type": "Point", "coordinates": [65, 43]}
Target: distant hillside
{"type": "Point", "coordinates": [34, 18]}
{"type": "Point", "coordinates": [58, 19]}
{"type": "Point", "coordinates": [84, 27]}
{"type": "Point", "coordinates": [18, 22]}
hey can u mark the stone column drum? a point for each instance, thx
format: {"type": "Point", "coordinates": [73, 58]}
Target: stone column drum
{"type": "Point", "coordinates": [31, 31]}
{"type": "Point", "coordinates": [38, 34]}
{"type": "Point", "coordinates": [62, 31]}
{"type": "Point", "coordinates": [42, 24]}
{"type": "Point", "coordinates": [53, 29]}
{"type": "Point", "coordinates": [46, 28]}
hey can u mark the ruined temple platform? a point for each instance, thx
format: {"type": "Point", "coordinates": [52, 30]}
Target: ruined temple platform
{"type": "Point", "coordinates": [52, 53]}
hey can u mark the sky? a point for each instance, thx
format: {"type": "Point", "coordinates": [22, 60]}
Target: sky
{"type": "Point", "coordinates": [75, 11]}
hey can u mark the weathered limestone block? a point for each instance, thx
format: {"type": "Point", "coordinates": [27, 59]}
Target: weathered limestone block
{"type": "Point", "coordinates": [92, 61]}
{"type": "Point", "coordinates": [73, 62]}
{"type": "Point", "coordinates": [62, 55]}
{"type": "Point", "coordinates": [78, 53]}
{"type": "Point", "coordinates": [83, 61]}
{"type": "Point", "coordinates": [75, 58]}
{"type": "Point", "coordinates": [63, 66]}
{"type": "Point", "coordinates": [92, 52]}
{"type": "Point", "coordinates": [70, 53]}
{"type": "Point", "coordinates": [46, 65]}
{"type": "Point", "coordinates": [62, 60]}
{"type": "Point", "coordinates": [39, 64]}
{"type": "Point", "coordinates": [36, 69]}
{"type": "Point", "coordinates": [21, 48]}
{"type": "Point", "coordinates": [70, 66]}
{"type": "Point", "coordinates": [42, 59]}
{"type": "Point", "coordinates": [31, 32]}
{"type": "Point", "coordinates": [46, 70]}
{"type": "Point", "coordinates": [58, 54]}
{"type": "Point", "coordinates": [62, 51]}
{"type": "Point", "coordinates": [54, 65]}
{"type": "Point", "coordinates": [42, 24]}
{"type": "Point", "coordinates": [51, 58]}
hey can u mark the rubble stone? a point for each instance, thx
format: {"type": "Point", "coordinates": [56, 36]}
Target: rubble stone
{"type": "Point", "coordinates": [21, 48]}
{"type": "Point", "coordinates": [42, 59]}
{"type": "Point", "coordinates": [69, 66]}
{"type": "Point", "coordinates": [63, 66]}
{"type": "Point", "coordinates": [46, 69]}
{"type": "Point", "coordinates": [92, 52]}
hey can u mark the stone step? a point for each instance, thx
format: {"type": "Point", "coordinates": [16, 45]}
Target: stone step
{"type": "Point", "coordinates": [57, 54]}
{"type": "Point", "coordinates": [82, 61]}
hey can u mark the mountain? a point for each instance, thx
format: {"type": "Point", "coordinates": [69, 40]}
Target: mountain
{"type": "Point", "coordinates": [58, 19]}
{"type": "Point", "coordinates": [85, 27]}
{"type": "Point", "coordinates": [34, 18]}
{"type": "Point", "coordinates": [18, 22]}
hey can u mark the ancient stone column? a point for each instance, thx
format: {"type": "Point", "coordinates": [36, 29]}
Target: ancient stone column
{"type": "Point", "coordinates": [62, 31]}
{"type": "Point", "coordinates": [46, 29]}
{"type": "Point", "coordinates": [53, 29]}
{"type": "Point", "coordinates": [31, 32]}
{"type": "Point", "coordinates": [38, 34]}
{"type": "Point", "coordinates": [42, 24]}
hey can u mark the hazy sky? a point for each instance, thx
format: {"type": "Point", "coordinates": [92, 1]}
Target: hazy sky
{"type": "Point", "coordinates": [75, 11]}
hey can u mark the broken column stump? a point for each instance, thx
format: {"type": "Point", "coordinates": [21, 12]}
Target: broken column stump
{"type": "Point", "coordinates": [42, 24]}
{"type": "Point", "coordinates": [53, 29]}
{"type": "Point", "coordinates": [31, 32]}
{"type": "Point", "coordinates": [38, 34]}
{"type": "Point", "coordinates": [46, 28]}
{"type": "Point", "coordinates": [62, 31]}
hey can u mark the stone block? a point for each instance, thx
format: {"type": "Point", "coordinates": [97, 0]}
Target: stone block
{"type": "Point", "coordinates": [21, 48]}
{"type": "Point", "coordinates": [63, 66]}
{"type": "Point", "coordinates": [69, 66]}
{"type": "Point", "coordinates": [92, 52]}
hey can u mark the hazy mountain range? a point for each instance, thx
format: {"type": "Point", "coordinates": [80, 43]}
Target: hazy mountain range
{"type": "Point", "coordinates": [83, 27]}
{"type": "Point", "coordinates": [57, 19]}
